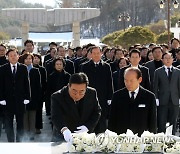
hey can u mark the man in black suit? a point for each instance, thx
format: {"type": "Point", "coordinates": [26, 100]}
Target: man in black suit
{"type": "Point", "coordinates": [3, 61]}
{"type": "Point", "coordinates": [167, 91]}
{"type": "Point", "coordinates": [133, 107]}
{"type": "Point", "coordinates": [15, 94]}
{"type": "Point", "coordinates": [75, 108]}
{"type": "Point", "coordinates": [154, 64]}
{"type": "Point", "coordinates": [100, 78]}
{"type": "Point", "coordinates": [134, 58]}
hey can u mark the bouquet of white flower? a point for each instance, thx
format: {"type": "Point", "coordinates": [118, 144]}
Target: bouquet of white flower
{"type": "Point", "coordinates": [110, 142]}
{"type": "Point", "coordinates": [154, 142]}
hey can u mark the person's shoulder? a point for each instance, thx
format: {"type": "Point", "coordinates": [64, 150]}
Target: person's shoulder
{"type": "Point", "coordinates": [60, 93]}
{"type": "Point", "coordinates": [35, 70]}
{"type": "Point", "coordinates": [67, 74]}
{"type": "Point", "coordinates": [143, 68]}
{"type": "Point", "coordinates": [124, 68]}
{"type": "Point", "coordinates": [159, 69]}
{"type": "Point", "coordinates": [149, 63]}
{"type": "Point", "coordinates": [91, 89]}
{"type": "Point", "coordinates": [146, 91]}
{"type": "Point", "coordinates": [176, 68]}
{"type": "Point", "coordinates": [23, 66]}
{"type": "Point", "coordinates": [120, 92]}
{"type": "Point", "coordinates": [68, 60]}
{"type": "Point", "coordinates": [4, 65]}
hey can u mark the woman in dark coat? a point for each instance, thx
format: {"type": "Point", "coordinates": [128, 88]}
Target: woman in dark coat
{"type": "Point", "coordinates": [58, 78]}
{"type": "Point", "coordinates": [122, 62]}
{"type": "Point", "coordinates": [35, 86]}
{"type": "Point", "coordinates": [37, 63]}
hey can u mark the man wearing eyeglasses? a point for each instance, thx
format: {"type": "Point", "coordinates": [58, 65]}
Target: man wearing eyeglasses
{"type": "Point", "coordinates": [75, 109]}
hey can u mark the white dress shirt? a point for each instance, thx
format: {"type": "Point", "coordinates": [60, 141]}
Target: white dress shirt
{"type": "Point", "coordinates": [135, 93]}
{"type": "Point", "coordinates": [12, 67]}
{"type": "Point", "coordinates": [166, 69]}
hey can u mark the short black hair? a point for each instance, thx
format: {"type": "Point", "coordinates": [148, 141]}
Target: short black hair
{"type": "Point", "coordinates": [166, 54]}
{"type": "Point", "coordinates": [53, 43]}
{"type": "Point", "coordinates": [79, 78]}
{"type": "Point", "coordinates": [28, 41]}
{"type": "Point", "coordinates": [134, 51]}
{"type": "Point", "coordinates": [152, 44]}
{"type": "Point", "coordinates": [134, 69]}
{"type": "Point", "coordinates": [24, 56]}
{"type": "Point", "coordinates": [10, 50]}
{"type": "Point", "coordinates": [61, 59]}
{"type": "Point", "coordinates": [174, 39]}
{"type": "Point", "coordinates": [93, 47]}
{"type": "Point", "coordinates": [117, 49]}
{"type": "Point", "coordinates": [3, 46]}
{"type": "Point", "coordinates": [143, 47]}
{"type": "Point", "coordinates": [157, 47]}
{"type": "Point", "coordinates": [119, 60]}
{"type": "Point", "coordinates": [77, 48]}
{"type": "Point", "coordinates": [39, 56]}
{"type": "Point", "coordinates": [164, 45]}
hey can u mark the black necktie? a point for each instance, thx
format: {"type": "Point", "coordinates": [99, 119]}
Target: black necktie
{"type": "Point", "coordinates": [132, 96]}
{"type": "Point", "coordinates": [14, 70]}
{"type": "Point", "coordinates": [169, 74]}
{"type": "Point", "coordinates": [96, 65]}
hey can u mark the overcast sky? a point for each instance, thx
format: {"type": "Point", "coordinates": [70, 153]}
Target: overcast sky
{"type": "Point", "coordinates": [44, 2]}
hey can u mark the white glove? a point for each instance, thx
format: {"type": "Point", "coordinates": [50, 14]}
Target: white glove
{"type": "Point", "coordinates": [3, 102]}
{"type": "Point", "coordinates": [109, 102]}
{"type": "Point", "coordinates": [26, 101]}
{"type": "Point", "coordinates": [179, 101]}
{"type": "Point", "coordinates": [67, 135]}
{"type": "Point", "coordinates": [157, 102]}
{"type": "Point", "coordinates": [82, 129]}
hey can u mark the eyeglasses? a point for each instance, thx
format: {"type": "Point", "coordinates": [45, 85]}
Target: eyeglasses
{"type": "Point", "coordinates": [81, 92]}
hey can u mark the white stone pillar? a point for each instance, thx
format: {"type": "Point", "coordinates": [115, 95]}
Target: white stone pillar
{"type": "Point", "coordinates": [76, 34]}
{"type": "Point", "coordinates": [25, 31]}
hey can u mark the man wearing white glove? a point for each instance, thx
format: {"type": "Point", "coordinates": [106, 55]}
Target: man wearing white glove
{"type": "Point", "coordinates": [14, 94]}
{"type": "Point", "coordinates": [167, 90]}
{"type": "Point", "coordinates": [67, 134]}
{"type": "Point", "coordinates": [26, 102]}
{"type": "Point", "coordinates": [3, 102]}
{"type": "Point", "coordinates": [82, 129]}
{"type": "Point", "coordinates": [75, 109]}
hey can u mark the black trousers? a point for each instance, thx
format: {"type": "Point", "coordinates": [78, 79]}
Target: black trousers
{"type": "Point", "coordinates": [39, 123]}
{"type": "Point", "coordinates": [167, 113]}
{"type": "Point", "coordinates": [9, 117]}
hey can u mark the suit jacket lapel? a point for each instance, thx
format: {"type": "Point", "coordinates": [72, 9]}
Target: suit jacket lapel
{"type": "Point", "coordinates": [10, 71]}
{"type": "Point", "coordinates": [173, 71]}
{"type": "Point", "coordinates": [139, 95]}
{"type": "Point", "coordinates": [17, 71]}
{"type": "Point", "coordinates": [164, 73]}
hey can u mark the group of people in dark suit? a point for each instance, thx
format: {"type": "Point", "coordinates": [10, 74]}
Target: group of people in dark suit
{"type": "Point", "coordinates": [82, 94]}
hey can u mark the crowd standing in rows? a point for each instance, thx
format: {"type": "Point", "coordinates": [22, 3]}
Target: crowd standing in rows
{"type": "Point", "coordinates": [89, 89]}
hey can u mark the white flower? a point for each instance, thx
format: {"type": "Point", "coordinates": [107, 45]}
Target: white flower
{"type": "Point", "coordinates": [71, 148]}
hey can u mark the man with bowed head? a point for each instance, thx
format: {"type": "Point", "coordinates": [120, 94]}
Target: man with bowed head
{"type": "Point", "coordinates": [133, 107]}
{"type": "Point", "coordinates": [75, 108]}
